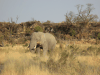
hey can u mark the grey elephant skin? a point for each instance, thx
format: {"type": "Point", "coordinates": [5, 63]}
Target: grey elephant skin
{"type": "Point", "coordinates": [46, 40]}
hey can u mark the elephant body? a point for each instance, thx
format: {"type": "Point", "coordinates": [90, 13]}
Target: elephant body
{"type": "Point", "coordinates": [46, 40]}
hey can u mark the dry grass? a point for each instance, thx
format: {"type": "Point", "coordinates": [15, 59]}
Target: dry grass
{"type": "Point", "coordinates": [71, 59]}
{"type": "Point", "coordinates": [18, 62]}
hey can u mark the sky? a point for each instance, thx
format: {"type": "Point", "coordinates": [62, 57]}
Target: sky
{"type": "Point", "coordinates": [42, 10]}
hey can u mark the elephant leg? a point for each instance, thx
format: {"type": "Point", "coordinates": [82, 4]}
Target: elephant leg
{"type": "Point", "coordinates": [38, 49]}
{"type": "Point", "coordinates": [32, 51]}
{"type": "Point", "coordinates": [45, 48]}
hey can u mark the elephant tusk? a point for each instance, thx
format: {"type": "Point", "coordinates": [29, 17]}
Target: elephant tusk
{"type": "Point", "coordinates": [34, 47]}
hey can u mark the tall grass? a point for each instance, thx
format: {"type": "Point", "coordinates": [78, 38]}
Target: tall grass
{"type": "Point", "coordinates": [74, 59]}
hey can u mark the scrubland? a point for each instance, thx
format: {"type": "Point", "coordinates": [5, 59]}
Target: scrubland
{"type": "Point", "coordinates": [74, 58]}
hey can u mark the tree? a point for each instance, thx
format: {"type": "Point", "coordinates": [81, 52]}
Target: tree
{"type": "Point", "coordinates": [70, 17]}
{"type": "Point", "coordinates": [85, 15]}
{"type": "Point", "coordinates": [82, 18]}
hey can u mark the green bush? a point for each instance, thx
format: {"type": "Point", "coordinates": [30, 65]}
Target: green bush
{"type": "Point", "coordinates": [72, 32]}
{"type": "Point", "coordinates": [98, 36]}
{"type": "Point", "coordinates": [38, 28]}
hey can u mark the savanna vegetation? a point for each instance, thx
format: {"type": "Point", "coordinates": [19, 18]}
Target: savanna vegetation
{"type": "Point", "coordinates": [76, 52]}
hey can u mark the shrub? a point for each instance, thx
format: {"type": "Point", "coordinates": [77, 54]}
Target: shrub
{"type": "Point", "coordinates": [1, 38]}
{"type": "Point", "coordinates": [22, 40]}
{"type": "Point", "coordinates": [25, 45]}
{"type": "Point", "coordinates": [72, 32]}
{"type": "Point", "coordinates": [28, 30]}
{"type": "Point", "coordinates": [98, 36]}
{"type": "Point", "coordinates": [38, 28]}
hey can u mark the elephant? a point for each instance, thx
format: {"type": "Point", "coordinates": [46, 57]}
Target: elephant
{"type": "Point", "coordinates": [40, 40]}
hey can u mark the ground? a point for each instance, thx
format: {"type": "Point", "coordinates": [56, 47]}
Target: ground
{"type": "Point", "coordinates": [68, 58]}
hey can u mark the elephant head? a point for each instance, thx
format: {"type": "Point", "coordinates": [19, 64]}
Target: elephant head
{"type": "Point", "coordinates": [33, 43]}
{"type": "Point", "coordinates": [35, 40]}
{"type": "Point", "coordinates": [32, 46]}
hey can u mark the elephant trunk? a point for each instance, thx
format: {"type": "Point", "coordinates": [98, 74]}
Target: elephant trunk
{"type": "Point", "coordinates": [32, 46]}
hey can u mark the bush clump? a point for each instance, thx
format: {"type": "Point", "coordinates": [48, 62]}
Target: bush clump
{"type": "Point", "coordinates": [38, 28]}
{"type": "Point", "coordinates": [72, 32]}
{"type": "Point", "coordinates": [28, 30]}
{"type": "Point", "coordinates": [98, 36]}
